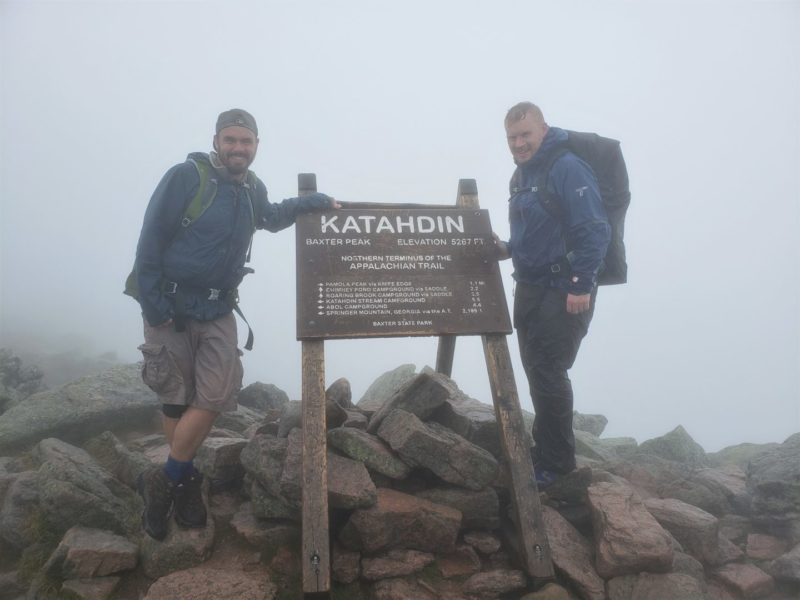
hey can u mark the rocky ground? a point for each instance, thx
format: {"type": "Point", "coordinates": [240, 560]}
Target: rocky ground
{"type": "Point", "coordinates": [417, 492]}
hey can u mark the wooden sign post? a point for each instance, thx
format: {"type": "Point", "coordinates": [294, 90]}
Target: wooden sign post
{"type": "Point", "coordinates": [316, 546]}
{"type": "Point", "coordinates": [398, 270]}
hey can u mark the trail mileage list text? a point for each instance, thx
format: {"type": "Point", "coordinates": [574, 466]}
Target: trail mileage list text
{"type": "Point", "coordinates": [397, 272]}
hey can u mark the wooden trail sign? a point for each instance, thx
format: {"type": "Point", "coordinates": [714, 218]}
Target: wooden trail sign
{"type": "Point", "coordinates": [376, 270]}
{"type": "Point", "coordinates": [397, 271]}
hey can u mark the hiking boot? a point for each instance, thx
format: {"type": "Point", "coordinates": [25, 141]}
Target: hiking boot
{"type": "Point", "coordinates": [156, 490]}
{"type": "Point", "coordinates": [545, 478]}
{"type": "Point", "coordinates": [190, 510]}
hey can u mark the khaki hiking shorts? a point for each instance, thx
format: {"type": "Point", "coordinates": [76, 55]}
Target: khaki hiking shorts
{"type": "Point", "coordinates": [200, 366]}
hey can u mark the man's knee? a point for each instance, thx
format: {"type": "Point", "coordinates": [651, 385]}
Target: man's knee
{"type": "Point", "coordinates": [173, 411]}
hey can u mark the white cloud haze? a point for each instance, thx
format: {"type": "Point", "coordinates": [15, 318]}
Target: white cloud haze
{"type": "Point", "coordinates": [394, 102]}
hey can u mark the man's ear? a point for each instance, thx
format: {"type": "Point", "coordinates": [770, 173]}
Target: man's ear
{"type": "Point", "coordinates": [214, 144]}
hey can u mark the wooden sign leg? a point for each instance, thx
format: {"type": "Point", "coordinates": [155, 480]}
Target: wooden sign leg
{"type": "Point", "coordinates": [445, 353]}
{"type": "Point", "coordinates": [316, 546]}
{"type": "Point", "coordinates": [524, 494]}
{"type": "Point", "coordinates": [316, 555]}
{"type": "Point", "coordinates": [467, 197]}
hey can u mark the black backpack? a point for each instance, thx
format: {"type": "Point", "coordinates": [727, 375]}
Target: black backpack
{"type": "Point", "coordinates": [604, 156]}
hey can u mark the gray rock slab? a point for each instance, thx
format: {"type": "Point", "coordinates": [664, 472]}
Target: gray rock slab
{"type": "Point", "coordinates": [262, 396]}
{"type": "Point", "coordinates": [202, 582]}
{"type": "Point", "coordinates": [628, 539]}
{"type": "Point", "coordinates": [494, 583]}
{"type": "Point", "coordinates": [719, 491]}
{"type": "Point", "coordinates": [240, 420]}
{"type": "Point", "coordinates": [400, 589]}
{"type": "Point", "coordinates": [219, 458]}
{"type": "Point", "coordinates": [572, 555]}
{"type": "Point", "coordinates": [345, 564]}
{"type": "Point", "coordinates": [398, 520]}
{"type": "Point", "coordinates": [774, 479]}
{"type": "Point", "coordinates": [420, 396]}
{"type": "Point", "coordinates": [648, 473]}
{"type": "Point", "coordinates": [739, 455]}
{"type": "Point", "coordinates": [589, 445]}
{"type": "Point", "coordinates": [654, 586]}
{"type": "Point", "coordinates": [20, 517]}
{"type": "Point", "coordinates": [349, 483]}
{"type": "Point", "coordinates": [385, 386]}
{"type": "Point", "coordinates": [462, 562]}
{"type": "Point", "coordinates": [74, 489]}
{"type": "Point", "coordinates": [430, 445]}
{"type": "Point", "coordinates": [787, 566]}
{"type": "Point", "coordinates": [479, 509]}
{"type": "Point", "coordinates": [85, 553]}
{"type": "Point", "coordinates": [764, 547]}
{"type": "Point", "coordinates": [356, 420]}
{"type": "Point", "coordinates": [471, 419]}
{"type": "Point", "coordinates": [116, 399]}
{"type": "Point", "coordinates": [340, 393]}
{"type": "Point", "coordinates": [370, 450]}
{"type": "Point", "coordinates": [394, 563]}
{"type": "Point", "coordinates": [291, 417]}
{"type": "Point", "coordinates": [594, 424]}
{"type": "Point", "coordinates": [269, 506]}
{"type": "Point", "coordinates": [266, 534]}
{"type": "Point", "coordinates": [263, 458]}
{"type": "Point", "coordinates": [181, 549]}
{"type": "Point", "coordinates": [728, 551]}
{"type": "Point", "coordinates": [745, 579]}
{"type": "Point", "coordinates": [678, 446]}
{"type": "Point", "coordinates": [484, 542]}
{"type": "Point", "coordinates": [111, 454]}
{"type": "Point", "coordinates": [97, 588]}
{"type": "Point", "coordinates": [696, 530]}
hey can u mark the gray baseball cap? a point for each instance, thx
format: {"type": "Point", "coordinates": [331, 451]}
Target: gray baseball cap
{"type": "Point", "coordinates": [236, 117]}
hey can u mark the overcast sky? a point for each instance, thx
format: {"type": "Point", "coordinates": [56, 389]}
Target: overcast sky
{"type": "Point", "coordinates": [394, 102]}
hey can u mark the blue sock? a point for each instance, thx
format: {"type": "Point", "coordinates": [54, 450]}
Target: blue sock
{"type": "Point", "coordinates": [176, 469]}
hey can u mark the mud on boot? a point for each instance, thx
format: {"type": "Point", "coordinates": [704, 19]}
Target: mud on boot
{"type": "Point", "coordinates": [190, 510]}
{"type": "Point", "coordinates": [156, 490]}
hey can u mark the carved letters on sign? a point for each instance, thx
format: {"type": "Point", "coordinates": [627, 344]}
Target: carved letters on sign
{"type": "Point", "coordinates": [398, 272]}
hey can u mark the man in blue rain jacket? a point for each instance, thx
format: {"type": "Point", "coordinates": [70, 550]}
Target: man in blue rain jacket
{"type": "Point", "coordinates": [557, 255]}
{"type": "Point", "coordinates": [186, 272]}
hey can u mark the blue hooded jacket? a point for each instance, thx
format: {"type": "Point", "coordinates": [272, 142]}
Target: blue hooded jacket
{"type": "Point", "coordinates": [212, 251]}
{"type": "Point", "coordinates": [539, 239]}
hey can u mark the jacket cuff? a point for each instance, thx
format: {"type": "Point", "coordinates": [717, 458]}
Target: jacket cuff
{"type": "Point", "coordinates": [316, 200]}
{"type": "Point", "coordinates": [580, 283]}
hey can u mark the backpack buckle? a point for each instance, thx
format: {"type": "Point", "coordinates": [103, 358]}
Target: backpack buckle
{"type": "Point", "coordinates": [214, 294]}
{"type": "Point", "coordinates": [556, 268]}
{"type": "Point", "coordinates": [170, 287]}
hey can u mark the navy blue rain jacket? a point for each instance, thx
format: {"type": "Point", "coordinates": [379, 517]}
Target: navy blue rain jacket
{"type": "Point", "coordinates": [539, 239]}
{"type": "Point", "coordinates": [211, 252]}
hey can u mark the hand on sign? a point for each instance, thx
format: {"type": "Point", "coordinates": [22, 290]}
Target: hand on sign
{"type": "Point", "coordinates": [501, 246]}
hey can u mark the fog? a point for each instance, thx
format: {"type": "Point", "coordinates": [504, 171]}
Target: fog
{"type": "Point", "coordinates": [394, 102]}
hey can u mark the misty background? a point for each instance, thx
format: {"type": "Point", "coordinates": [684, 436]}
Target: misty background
{"type": "Point", "coordinates": [394, 102]}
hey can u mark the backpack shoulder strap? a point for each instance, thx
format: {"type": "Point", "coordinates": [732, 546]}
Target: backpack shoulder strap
{"type": "Point", "coordinates": [252, 196]}
{"type": "Point", "coordinates": [549, 201]}
{"type": "Point", "coordinates": [206, 192]}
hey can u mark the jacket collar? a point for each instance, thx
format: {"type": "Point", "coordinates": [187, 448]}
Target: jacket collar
{"type": "Point", "coordinates": [554, 137]}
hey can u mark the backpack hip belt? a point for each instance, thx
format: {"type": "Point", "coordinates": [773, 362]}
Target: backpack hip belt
{"type": "Point", "coordinates": [229, 296]}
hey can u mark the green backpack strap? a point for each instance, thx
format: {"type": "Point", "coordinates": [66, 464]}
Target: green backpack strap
{"type": "Point", "coordinates": [206, 192]}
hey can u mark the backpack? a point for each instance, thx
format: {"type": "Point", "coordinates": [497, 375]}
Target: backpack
{"type": "Point", "coordinates": [604, 156]}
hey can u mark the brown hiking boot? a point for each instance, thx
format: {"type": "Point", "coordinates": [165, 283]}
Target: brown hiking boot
{"type": "Point", "coordinates": [190, 510]}
{"type": "Point", "coordinates": [156, 490]}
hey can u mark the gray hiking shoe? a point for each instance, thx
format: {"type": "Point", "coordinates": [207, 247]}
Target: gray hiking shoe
{"type": "Point", "coordinates": [190, 510]}
{"type": "Point", "coordinates": [156, 490]}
